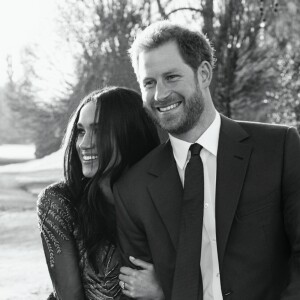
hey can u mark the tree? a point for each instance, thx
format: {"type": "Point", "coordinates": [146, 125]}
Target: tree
{"type": "Point", "coordinates": [36, 121]}
{"type": "Point", "coordinates": [245, 65]}
{"type": "Point", "coordinates": [247, 68]}
{"type": "Point", "coordinates": [8, 133]}
{"type": "Point", "coordinates": [255, 78]}
{"type": "Point", "coordinates": [285, 102]}
{"type": "Point", "coordinates": [103, 42]}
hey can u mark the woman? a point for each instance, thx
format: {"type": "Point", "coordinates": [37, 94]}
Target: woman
{"type": "Point", "coordinates": [109, 132]}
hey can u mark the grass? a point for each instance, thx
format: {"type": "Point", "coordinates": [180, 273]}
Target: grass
{"type": "Point", "coordinates": [23, 269]}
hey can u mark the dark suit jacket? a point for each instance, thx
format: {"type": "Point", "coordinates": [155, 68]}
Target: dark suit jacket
{"type": "Point", "coordinates": [257, 211]}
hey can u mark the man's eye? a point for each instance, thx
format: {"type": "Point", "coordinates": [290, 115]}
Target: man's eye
{"type": "Point", "coordinates": [172, 77]}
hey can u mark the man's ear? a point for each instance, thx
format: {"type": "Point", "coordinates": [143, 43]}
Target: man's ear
{"type": "Point", "coordinates": [204, 74]}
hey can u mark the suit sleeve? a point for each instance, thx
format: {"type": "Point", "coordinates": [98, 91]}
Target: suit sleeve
{"type": "Point", "coordinates": [291, 209]}
{"type": "Point", "coordinates": [131, 236]}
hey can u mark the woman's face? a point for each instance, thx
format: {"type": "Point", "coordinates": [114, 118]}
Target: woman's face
{"type": "Point", "coordinates": [86, 140]}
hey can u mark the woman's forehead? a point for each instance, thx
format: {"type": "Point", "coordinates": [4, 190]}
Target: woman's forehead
{"type": "Point", "coordinates": [87, 113]}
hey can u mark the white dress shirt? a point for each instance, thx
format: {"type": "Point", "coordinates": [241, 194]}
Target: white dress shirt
{"type": "Point", "coordinates": [209, 255]}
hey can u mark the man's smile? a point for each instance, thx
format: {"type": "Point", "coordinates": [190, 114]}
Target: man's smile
{"type": "Point", "coordinates": [169, 107]}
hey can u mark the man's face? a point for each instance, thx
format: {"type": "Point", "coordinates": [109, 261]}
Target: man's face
{"type": "Point", "coordinates": [171, 92]}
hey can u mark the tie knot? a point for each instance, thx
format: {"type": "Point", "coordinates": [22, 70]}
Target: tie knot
{"type": "Point", "coordinates": [195, 149]}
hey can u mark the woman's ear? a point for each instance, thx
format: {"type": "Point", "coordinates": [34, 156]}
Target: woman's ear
{"type": "Point", "coordinates": [204, 74]}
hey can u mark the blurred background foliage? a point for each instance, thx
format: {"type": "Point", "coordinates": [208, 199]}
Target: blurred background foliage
{"type": "Point", "coordinates": [255, 78]}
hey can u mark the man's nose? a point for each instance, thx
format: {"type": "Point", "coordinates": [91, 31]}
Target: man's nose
{"type": "Point", "coordinates": [161, 91]}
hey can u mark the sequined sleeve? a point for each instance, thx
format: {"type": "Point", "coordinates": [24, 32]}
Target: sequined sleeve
{"type": "Point", "coordinates": [56, 224]}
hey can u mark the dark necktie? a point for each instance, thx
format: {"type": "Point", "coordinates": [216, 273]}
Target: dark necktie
{"type": "Point", "coordinates": [187, 281]}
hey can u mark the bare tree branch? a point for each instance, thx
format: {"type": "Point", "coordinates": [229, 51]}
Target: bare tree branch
{"type": "Point", "coordinates": [161, 9]}
{"type": "Point", "coordinates": [183, 8]}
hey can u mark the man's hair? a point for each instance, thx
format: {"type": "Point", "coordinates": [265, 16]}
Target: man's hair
{"type": "Point", "coordinates": [193, 46]}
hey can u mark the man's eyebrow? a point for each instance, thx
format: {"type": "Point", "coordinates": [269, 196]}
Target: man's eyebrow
{"type": "Point", "coordinates": [174, 70]}
{"type": "Point", "coordinates": [171, 71]}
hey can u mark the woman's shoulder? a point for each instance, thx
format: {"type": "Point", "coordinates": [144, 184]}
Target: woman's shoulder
{"type": "Point", "coordinates": [59, 188]}
{"type": "Point", "coordinates": [56, 219]}
{"type": "Point", "coordinates": [55, 199]}
{"type": "Point", "coordinates": [58, 193]}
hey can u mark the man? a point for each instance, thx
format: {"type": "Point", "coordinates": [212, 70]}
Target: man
{"type": "Point", "coordinates": [250, 242]}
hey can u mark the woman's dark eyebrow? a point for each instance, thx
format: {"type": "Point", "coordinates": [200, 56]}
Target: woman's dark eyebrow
{"type": "Point", "coordinates": [79, 125]}
{"type": "Point", "coordinates": [94, 125]}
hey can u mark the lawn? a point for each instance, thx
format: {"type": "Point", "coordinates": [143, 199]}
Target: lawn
{"type": "Point", "coordinates": [23, 270]}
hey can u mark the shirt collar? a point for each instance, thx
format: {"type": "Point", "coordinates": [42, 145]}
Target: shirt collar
{"type": "Point", "coordinates": [209, 140]}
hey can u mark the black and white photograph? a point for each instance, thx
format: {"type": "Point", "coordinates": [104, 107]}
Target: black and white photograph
{"type": "Point", "coordinates": [149, 149]}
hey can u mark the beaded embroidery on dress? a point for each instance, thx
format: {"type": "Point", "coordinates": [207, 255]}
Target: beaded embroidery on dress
{"type": "Point", "coordinates": [65, 253]}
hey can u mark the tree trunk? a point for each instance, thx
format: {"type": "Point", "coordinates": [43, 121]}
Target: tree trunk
{"type": "Point", "coordinates": [208, 18]}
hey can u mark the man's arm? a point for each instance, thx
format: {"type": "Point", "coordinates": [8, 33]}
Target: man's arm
{"type": "Point", "coordinates": [291, 209]}
{"type": "Point", "coordinates": [132, 240]}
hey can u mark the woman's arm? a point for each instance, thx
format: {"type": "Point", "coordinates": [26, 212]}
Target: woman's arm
{"type": "Point", "coordinates": [56, 227]}
{"type": "Point", "coordinates": [142, 283]}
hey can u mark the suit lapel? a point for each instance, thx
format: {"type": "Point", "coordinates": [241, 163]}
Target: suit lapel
{"type": "Point", "coordinates": [232, 162]}
{"type": "Point", "coordinates": [167, 192]}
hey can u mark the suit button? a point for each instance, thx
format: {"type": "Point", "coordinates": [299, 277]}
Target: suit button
{"type": "Point", "coordinates": [227, 293]}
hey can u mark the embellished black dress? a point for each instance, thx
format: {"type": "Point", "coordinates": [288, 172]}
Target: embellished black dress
{"type": "Point", "coordinates": [71, 274]}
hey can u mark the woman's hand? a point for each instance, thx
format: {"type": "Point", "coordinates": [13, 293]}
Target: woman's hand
{"type": "Point", "coordinates": [140, 284]}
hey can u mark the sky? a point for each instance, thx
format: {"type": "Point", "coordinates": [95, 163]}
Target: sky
{"type": "Point", "coordinates": [23, 22]}
{"type": "Point", "coordinates": [34, 22]}
{"type": "Point", "coordinates": [27, 23]}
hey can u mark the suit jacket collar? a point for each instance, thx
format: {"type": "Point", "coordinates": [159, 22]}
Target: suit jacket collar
{"type": "Point", "coordinates": [232, 162]}
{"type": "Point", "coordinates": [166, 191]}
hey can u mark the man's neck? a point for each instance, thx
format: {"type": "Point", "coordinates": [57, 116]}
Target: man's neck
{"type": "Point", "coordinates": [194, 134]}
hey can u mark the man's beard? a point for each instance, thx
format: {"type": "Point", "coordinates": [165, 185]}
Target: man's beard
{"type": "Point", "coordinates": [192, 110]}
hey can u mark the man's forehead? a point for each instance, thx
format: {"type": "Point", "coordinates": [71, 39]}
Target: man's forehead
{"type": "Point", "coordinates": [163, 49]}
{"type": "Point", "coordinates": [165, 58]}
{"type": "Point", "coordinates": [165, 53]}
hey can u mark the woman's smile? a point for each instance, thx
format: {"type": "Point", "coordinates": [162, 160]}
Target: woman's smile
{"type": "Point", "coordinates": [89, 158]}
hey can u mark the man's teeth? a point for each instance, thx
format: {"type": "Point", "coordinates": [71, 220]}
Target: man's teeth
{"type": "Point", "coordinates": [167, 108]}
{"type": "Point", "coordinates": [89, 157]}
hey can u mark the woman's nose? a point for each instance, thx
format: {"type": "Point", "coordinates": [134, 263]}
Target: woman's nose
{"type": "Point", "coordinates": [88, 141]}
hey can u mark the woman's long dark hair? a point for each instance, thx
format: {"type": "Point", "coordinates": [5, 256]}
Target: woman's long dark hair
{"type": "Point", "coordinates": [124, 135]}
